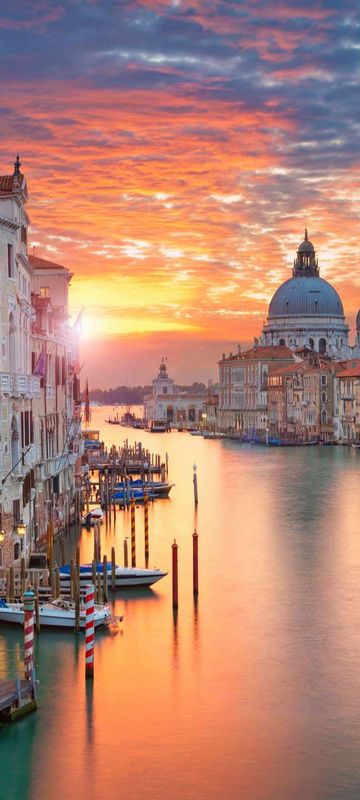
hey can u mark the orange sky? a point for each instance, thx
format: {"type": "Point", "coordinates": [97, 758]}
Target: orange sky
{"type": "Point", "coordinates": [174, 153]}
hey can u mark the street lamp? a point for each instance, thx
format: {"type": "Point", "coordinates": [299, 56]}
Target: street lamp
{"type": "Point", "coordinates": [2, 536]}
{"type": "Point", "coordinates": [21, 528]}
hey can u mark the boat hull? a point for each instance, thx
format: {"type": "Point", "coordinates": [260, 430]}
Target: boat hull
{"type": "Point", "coordinates": [125, 577]}
{"type": "Point", "coordinates": [52, 617]}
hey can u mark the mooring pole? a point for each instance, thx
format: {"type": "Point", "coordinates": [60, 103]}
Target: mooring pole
{"type": "Point", "coordinates": [175, 598]}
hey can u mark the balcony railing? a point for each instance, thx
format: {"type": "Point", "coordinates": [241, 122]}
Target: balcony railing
{"type": "Point", "coordinates": [27, 385]}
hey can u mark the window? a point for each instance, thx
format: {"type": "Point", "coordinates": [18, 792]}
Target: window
{"type": "Point", "coordinates": [311, 343]}
{"type": "Point", "coordinates": [323, 380]}
{"type": "Point", "coordinates": [10, 260]}
{"type": "Point", "coordinates": [164, 389]}
{"type": "Point", "coordinates": [322, 346]}
{"type": "Point", "coordinates": [282, 342]}
{"type": "Point", "coordinates": [323, 397]}
{"type": "Point", "coordinates": [44, 291]}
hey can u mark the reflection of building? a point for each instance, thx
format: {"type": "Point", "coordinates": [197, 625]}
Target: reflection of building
{"type": "Point", "coordinates": [169, 405]}
{"type": "Point", "coordinates": [307, 311]}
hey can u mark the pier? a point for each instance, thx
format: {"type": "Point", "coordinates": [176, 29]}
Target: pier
{"type": "Point", "coordinates": [17, 698]}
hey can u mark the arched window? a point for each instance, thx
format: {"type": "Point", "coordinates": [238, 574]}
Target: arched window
{"type": "Point", "coordinates": [311, 343]}
{"type": "Point", "coordinates": [170, 414]}
{"type": "Point", "coordinates": [282, 341]}
{"type": "Point", "coordinates": [322, 346]}
{"type": "Point", "coordinates": [17, 551]}
{"type": "Point", "coordinates": [323, 416]}
{"type": "Point", "coordinates": [191, 414]}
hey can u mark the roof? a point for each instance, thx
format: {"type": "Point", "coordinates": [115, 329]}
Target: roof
{"type": "Point", "coordinates": [352, 372]}
{"type": "Point", "coordinates": [306, 295]}
{"type": "Point", "coordinates": [266, 353]}
{"type": "Point", "coordinates": [7, 183]}
{"type": "Point", "coordinates": [43, 263]}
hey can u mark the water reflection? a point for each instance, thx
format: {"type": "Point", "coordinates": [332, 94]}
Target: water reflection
{"type": "Point", "coordinates": [249, 690]}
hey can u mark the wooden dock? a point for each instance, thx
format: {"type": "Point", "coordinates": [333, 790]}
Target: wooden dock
{"type": "Point", "coordinates": [17, 698]}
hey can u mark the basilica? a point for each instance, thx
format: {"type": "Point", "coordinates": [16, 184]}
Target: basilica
{"type": "Point", "coordinates": [306, 311]}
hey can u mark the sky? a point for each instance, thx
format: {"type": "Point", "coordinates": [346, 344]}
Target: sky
{"type": "Point", "coordinates": [174, 151]}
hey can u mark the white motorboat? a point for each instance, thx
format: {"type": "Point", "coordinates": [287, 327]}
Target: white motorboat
{"type": "Point", "coordinates": [92, 517]}
{"type": "Point", "coordinates": [124, 576]}
{"type": "Point", "coordinates": [56, 614]}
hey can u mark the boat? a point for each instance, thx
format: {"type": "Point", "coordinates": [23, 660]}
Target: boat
{"type": "Point", "coordinates": [91, 439]}
{"type": "Point", "coordinates": [157, 426]}
{"type": "Point", "coordinates": [124, 576]}
{"type": "Point", "coordinates": [92, 517]}
{"type": "Point", "coordinates": [113, 421]}
{"type": "Point", "coordinates": [196, 433]}
{"type": "Point", "coordinates": [154, 488]}
{"type": "Point", "coordinates": [356, 445]}
{"type": "Point", "coordinates": [56, 614]}
{"type": "Point", "coordinates": [124, 495]}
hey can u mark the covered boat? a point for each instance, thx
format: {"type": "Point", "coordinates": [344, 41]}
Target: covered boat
{"type": "Point", "coordinates": [153, 488]}
{"type": "Point", "coordinates": [92, 517]}
{"type": "Point", "coordinates": [124, 576]}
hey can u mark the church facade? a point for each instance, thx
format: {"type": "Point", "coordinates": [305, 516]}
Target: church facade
{"type": "Point", "coordinates": [306, 311]}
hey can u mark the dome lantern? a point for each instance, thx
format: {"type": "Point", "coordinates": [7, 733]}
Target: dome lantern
{"type": "Point", "coordinates": [305, 263]}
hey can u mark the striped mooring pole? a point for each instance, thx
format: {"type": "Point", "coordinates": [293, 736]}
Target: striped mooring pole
{"type": "Point", "coordinates": [89, 630]}
{"type": "Point", "coordinates": [133, 544]}
{"type": "Point", "coordinates": [29, 605]}
{"type": "Point", "coordinates": [146, 528]}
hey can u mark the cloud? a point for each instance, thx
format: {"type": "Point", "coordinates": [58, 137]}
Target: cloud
{"type": "Point", "coordinates": [175, 151]}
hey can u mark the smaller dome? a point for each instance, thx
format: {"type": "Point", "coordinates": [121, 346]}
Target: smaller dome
{"type": "Point", "coordinates": [358, 321]}
{"type": "Point", "coordinates": [306, 247]}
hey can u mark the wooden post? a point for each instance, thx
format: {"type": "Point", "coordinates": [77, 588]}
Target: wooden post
{"type": "Point", "coordinates": [167, 463]}
{"type": "Point", "coordinates": [8, 585]}
{"type": "Point", "coordinates": [22, 575]}
{"type": "Point", "coordinates": [133, 542]}
{"type": "Point", "coordinates": [57, 582]}
{"type": "Point", "coordinates": [77, 606]}
{"type": "Point", "coordinates": [162, 476]}
{"type": "Point", "coordinates": [36, 592]}
{"type": "Point", "coordinates": [195, 563]}
{"type": "Point", "coordinates": [72, 579]}
{"type": "Point", "coordinates": [175, 598]}
{"type": "Point", "coordinates": [126, 557]}
{"type": "Point", "coordinates": [105, 579]}
{"type": "Point", "coordinates": [98, 588]}
{"type": "Point", "coordinates": [12, 585]}
{"type": "Point", "coordinates": [93, 570]}
{"type": "Point", "coordinates": [196, 496]}
{"type": "Point", "coordinates": [113, 567]}
{"type": "Point", "coordinates": [146, 528]}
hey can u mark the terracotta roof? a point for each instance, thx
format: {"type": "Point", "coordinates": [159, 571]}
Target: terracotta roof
{"type": "Point", "coordinates": [352, 372]}
{"type": "Point", "coordinates": [6, 183]}
{"type": "Point", "coordinates": [266, 353]}
{"type": "Point", "coordinates": [43, 263]}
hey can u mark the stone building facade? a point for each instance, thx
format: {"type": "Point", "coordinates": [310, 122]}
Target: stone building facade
{"type": "Point", "coordinates": [167, 404]}
{"type": "Point", "coordinates": [31, 342]}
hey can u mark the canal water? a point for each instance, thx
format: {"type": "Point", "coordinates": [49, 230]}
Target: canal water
{"type": "Point", "coordinates": [253, 692]}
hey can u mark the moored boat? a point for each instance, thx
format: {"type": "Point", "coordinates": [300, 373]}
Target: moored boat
{"type": "Point", "coordinates": [124, 576]}
{"type": "Point", "coordinates": [56, 614]}
{"type": "Point", "coordinates": [92, 517]}
{"type": "Point", "coordinates": [153, 488]}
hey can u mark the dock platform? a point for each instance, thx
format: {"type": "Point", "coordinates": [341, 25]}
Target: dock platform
{"type": "Point", "coordinates": [17, 698]}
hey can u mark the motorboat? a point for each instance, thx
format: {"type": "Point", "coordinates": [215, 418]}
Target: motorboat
{"type": "Point", "coordinates": [92, 517]}
{"type": "Point", "coordinates": [124, 576]}
{"type": "Point", "coordinates": [157, 426]}
{"type": "Point", "coordinates": [153, 488]}
{"type": "Point", "coordinates": [56, 614]}
{"type": "Point", "coordinates": [196, 433]}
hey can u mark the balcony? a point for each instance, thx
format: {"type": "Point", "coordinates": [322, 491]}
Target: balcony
{"type": "Point", "coordinates": [17, 385]}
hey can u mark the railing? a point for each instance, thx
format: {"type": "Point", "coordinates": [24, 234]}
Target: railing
{"type": "Point", "coordinates": [28, 385]}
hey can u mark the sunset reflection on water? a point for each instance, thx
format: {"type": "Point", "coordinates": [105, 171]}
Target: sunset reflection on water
{"type": "Point", "coordinates": [252, 692]}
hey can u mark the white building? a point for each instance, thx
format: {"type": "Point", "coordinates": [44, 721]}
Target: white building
{"type": "Point", "coordinates": [168, 405]}
{"type": "Point", "coordinates": [306, 311]}
{"type": "Point", "coordinates": [38, 385]}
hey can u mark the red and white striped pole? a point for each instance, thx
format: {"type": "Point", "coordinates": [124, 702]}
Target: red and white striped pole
{"type": "Point", "coordinates": [89, 630]}
{"type": "Point", "coordinates": [29, 605]}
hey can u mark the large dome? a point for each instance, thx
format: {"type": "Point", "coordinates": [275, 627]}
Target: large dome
{"type": "Point", "coordinates": [306, 296]}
